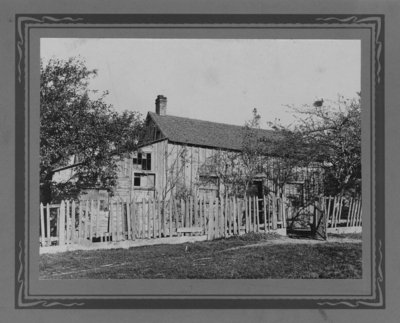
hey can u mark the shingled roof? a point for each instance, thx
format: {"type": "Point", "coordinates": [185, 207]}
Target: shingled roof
{"type": "Point", "coordinates": [203, 133]}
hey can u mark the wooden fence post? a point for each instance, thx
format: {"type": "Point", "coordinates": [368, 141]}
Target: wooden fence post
{"type": "Point", "coordinates": [210, 220]}
{"type": "Point", "coordinates": [337, 210]}
{"type": "Point", "coordinates": [341, 204]}
{"type": "Point", "coordinates": [246, 214]}
{"type": "Point", "coordinates": [80, 221]}
{"type": "Point", "coordinates": [236, 212]}
{"type": "Point", "coordinates": [91, 221]}
{"type": "Point", "coordinates": [221, 218]}
{"type": "Point", "coordinates": [274, 215]}
{"type": "Point", "coordinates": [161, 219]}
{"type": "Point", "coordinates": [154, 218]}
{"type": "Point", "coordinates": [232, 210]}
{"type": "Point", "coordinates": [236, 217]}
{"type": "Point", "coordinates": [283, 207]}
{"type": "Point", "coordinates": [258, 213]}
{"type": "Point", "coordinates": [265, 213]}
{"type": "Point", "coordinates": [141, 217]}
{"type": "Point", "coordinates": [170, 217]}
{"type": "Point", "coordinates": [349, 212]}
{"type": "Point", "coordinates": [360, 215]}
{"type": "Point", "coordinates": [328, 213]}
{"type": "Point", "coordinates": [62, 224]}
{"type": "Point", "coordinates": [352, 207]}
{"type": "Point", "coordinates": [135, 219]}
{"type": "Point", "coordinates": [115, 222]}
{"type": "Point", "coordinates": [190, 211]}
{"type": "Point", "coordinates": [149, 219]}
{"type": "Point", "coordinates": [163, 214]}
{"type": "Point", "coordinates": [250, 214]}
{"type": "Point", "coordinates": [111, 223]}
{"type": "Point", "coordinates": [73, 221]}
{"type": "Point", "coordinates": [42, 231]}
{"type": "Point", "coordinates": [175, 207]}
{"type": "Point", "coordinates": [68, 229]}
{"type": "Point", "coordinates": [183, 215]}
{"type": "Point", "coordinates": [201, 214]}
{"type": "Point", "coordinates": [158, 217]}
{"type": "Point", "coordinates": [128, 221]}
{"type": "Point", "coordinates": [48, 235]}
{"type": "Point", "coordinates": [355, 212]}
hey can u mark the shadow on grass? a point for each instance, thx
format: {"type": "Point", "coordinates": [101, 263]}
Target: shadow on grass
{"type": "Point", "coordinates": [218, 259]}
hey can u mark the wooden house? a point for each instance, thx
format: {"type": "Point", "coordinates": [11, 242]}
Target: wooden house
{"type": "Point", "coordinates": [175, 156]}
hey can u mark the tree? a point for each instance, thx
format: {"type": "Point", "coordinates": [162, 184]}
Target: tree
{"type": "Point", "coordinates": [75, 122]}
{"type": "Point", "coordinates": [328, 133]}
{"type": "Point", "coordinates": [236, 171]}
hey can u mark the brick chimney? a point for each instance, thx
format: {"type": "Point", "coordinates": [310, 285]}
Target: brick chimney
{"type": "Point", "coordinates": [161, 105]}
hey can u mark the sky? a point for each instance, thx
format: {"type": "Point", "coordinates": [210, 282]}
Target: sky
{"type": "Point", "coordinates": [219, 80]}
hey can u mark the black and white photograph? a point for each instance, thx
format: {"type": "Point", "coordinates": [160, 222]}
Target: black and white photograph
{"type": "Point", "coordinates": [166, 158]}
{"type": "Point", "coordinates": [200, 161]}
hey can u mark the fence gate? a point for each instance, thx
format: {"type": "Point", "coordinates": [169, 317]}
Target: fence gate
{"type": "Point", "coordinates": [308, 221]}
{"type": "Point", "coordinates": [319, 229]}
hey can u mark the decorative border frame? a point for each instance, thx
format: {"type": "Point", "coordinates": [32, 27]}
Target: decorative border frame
{"type": "Point", "coordinates": [25, 22]}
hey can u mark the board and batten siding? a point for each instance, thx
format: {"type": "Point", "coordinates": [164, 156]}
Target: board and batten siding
{"type": "Point", "coordinates": [169, 168]}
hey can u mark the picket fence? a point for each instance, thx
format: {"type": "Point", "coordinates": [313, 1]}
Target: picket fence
{"type": "Point", "coordinates": [342, 212]}
{"type": "Point", "coordinates": [87, 222]}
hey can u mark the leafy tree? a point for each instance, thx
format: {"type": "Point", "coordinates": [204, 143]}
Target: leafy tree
{"type": "Point", "coordinates": [328, 133]}
{"type": "Point", "coordinates": [76, 124]}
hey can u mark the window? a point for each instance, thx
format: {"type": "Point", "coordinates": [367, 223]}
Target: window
{"type": "Point", "coordinates": [136, 180]}
{"type": "Point", "coordinates": [143, 160]}
{"type": "Point", "coordinates": [144, 180]}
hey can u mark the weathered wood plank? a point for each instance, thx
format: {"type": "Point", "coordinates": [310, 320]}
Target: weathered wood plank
{"type": "Point", "coordinates": [143, 219]}
{"type": "Point", "coordinates": [360, 215]}
{"type": "Point", "coordinates": [48, 233]}
{"type": "Point", "coordinates": [211, 220]}
{"type": "Point", "coordinates": [190, 211]}
{"type": "Point", "coordinates": [73, 221]}
{"type": "Point", "coordinates": [340, 209]}
{"type": "Point", "coordinates": [111, 223]}
{"type": "Point", "coordinates": [235, 216]}
{"type": "Point", "coordinates": [201, 212]}
{"type": "Point", "coordinates": [154, 218]}
{"type": "Point", "coordinates": [128, 221]}
{"type": "Point", "coordinates": [91, 220]}
{"type": "Point", "coordinates": [160, 218]}
{"type": "Point", "coordinates": [149, 208]}
{"type": "Point", "coordinates": [62, 224]}
{"type": "Point", "coordinates": [42, 230]}
{"type": "Point", "coordinates": [68, 229]}
{"type": "Point", "coordinates": [265, 213]}
{"type": "Point", "coordinates": [349, 212]}
{"type": "Point", "coordinates": [80, 224]}
{"type": "Point", "coordinates": [274, 215]}
{"type": "Point", "coordinates": [134, 218]}
{"type": "Point", "coordinates": [170, 217]}
{"type": "Point", "coordinates": [258, 214]}
{"type": "Point", "coordinates": [176, 213]}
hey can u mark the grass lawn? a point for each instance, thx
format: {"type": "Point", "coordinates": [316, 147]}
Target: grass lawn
{"type": "Point", "coordinates": [248, 256]}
